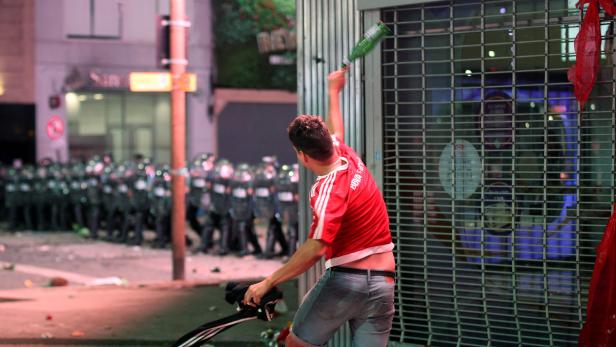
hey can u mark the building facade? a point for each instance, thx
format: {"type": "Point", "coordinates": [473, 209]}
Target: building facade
{"type": "Point", "coordinates": [498, 186]}
{"type": "Point", "coordinates": [17, 80]}
{"type": "Point", "coordinates": [85, 51]}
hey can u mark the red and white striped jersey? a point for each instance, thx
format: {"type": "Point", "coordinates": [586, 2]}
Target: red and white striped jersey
{"type": "Point", "coordinates": [348, 211]}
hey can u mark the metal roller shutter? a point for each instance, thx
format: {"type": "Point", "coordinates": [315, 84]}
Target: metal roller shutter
{"type": "Point", "coordinates": [498, 188]}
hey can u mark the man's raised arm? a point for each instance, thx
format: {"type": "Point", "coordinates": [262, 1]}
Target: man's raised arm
{"type": "Point", "coordinates": [336, 82]}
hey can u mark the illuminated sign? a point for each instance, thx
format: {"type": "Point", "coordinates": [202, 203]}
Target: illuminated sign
{"type": "Point", "coordinates": [160, 82]}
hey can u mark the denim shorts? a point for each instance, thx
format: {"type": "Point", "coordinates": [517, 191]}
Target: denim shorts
{"type": "Point", "coordinates": [365, 301]}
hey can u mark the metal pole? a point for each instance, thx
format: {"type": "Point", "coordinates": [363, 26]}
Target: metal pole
{"type": "Point", "coordinates": [178, 63]}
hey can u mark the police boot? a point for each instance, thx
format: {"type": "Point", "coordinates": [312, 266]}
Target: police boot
{"type": "Point", "coordinates": [123, 235]}
{"type": "Point", "coordinates": [62, 217]}
{"type": "Point", "coordinates": [53, 217]}
{"type": "Point", "coordinates": [161, 233]}
{"type": "Point", "coordinates": [206, 235]}
{"type": "Point", "coordinates": [270, 243]}
{"type": "Point", "coordinates": [191, 216]}
{"type": "Point", "coordinates": [78, 215]}
{"type": "Point", "coordinates": [252, 237]}
{"type": "Point", "coordinates": [242, 233]}
{"type": "Point", "coordinates": [40, 217]}
{"type": "Point", "coordinates": [28, 217]}
{"type": "Point", "coordinates": [279, 235]}
{"type": "Point", "coordinates": [225, 236]}
{"type": "Point", "coordinates": [93, 222]}
{"type": "Point", "coordinates": [12, 218]}
{"type": "Point", "coordinates": [138, 239]}
{"type": "Point", "coordinates": [110, 225]}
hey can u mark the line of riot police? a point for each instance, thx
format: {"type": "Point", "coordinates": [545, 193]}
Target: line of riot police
{"type": "Point", "coordinates": [120, 200]}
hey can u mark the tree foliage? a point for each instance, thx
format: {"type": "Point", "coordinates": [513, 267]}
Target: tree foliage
{"type": "Point", "coordinates": [239, 63]}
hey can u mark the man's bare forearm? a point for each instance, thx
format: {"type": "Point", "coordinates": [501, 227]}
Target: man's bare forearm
{"type": "Point", "coordinates": [334, 119]}
{"type": "Point", "coordinates": [336, 81]}
{"type": "Point", "coordinates": [307, 255]}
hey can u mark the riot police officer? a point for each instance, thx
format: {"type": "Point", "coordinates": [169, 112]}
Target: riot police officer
{"type": "Point", "coordinates": [108, 203]}
{"type": "Point", "coordinates": [11, 197]}
{"type": "Point", "coordinates": [287, 191]}
{"type": "Point", "coordinates": [41, 196]}
{"type": "Point", "coordinates": [94, 172]}
{"type": "Point", "coordinates": [58, 192]}
{"type": "Point", "coordinates": [161, 206]}
{"type": "Point", "coordinates": [139, 194]}
{"type": "Point", "coordinates": [198, 196]}
{"type": "Point", "coordinates": [266, 206]}
{"type": "Point", "coordinates": [242, 209]}
{"type": "Point", "coordinates": [218, 214]}
{"type": "Point", "coordinates": [27, 195]}
{"type": "Point", "coordinates": [124, 194]}
{"type": "Point", "coordinates": [78, 187]}
{"type": "Point", "coordinates": [120, 181]}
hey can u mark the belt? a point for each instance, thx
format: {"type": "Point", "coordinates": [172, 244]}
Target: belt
{"type": "Point", "coordinates": [368, 272]}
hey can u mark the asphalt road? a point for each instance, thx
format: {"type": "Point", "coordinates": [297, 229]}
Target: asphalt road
{"type": "Point", "coordinates": [119, 295]}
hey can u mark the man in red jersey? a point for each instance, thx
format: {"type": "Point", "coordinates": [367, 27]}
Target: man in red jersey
{"type": "Point", "coordinates": [350, 227]}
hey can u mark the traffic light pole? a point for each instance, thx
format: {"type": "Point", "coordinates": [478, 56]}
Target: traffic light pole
{"type": "Point", "coordinates": [178, 26]}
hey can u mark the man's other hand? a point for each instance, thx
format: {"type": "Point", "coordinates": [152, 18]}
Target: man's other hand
{"type": "Point", "coordinates": [256, 291]}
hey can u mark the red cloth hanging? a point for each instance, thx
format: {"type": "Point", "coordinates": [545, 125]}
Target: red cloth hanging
{"type": "Point", "coordinates": [583, 74]}
{"type": "Point", "coordinates": [600, 327]}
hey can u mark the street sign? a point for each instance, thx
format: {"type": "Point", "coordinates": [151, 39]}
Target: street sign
{"type": "Point", "coordinates": [55, 127]}
{"type": "Point", "coordinates": [160, 82]}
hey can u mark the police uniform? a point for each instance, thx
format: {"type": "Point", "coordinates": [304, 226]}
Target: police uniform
{"type": "Point", "coordinates": [266, 207]}
{"type": "Point", "coordinates": [242, 209]}
{"type": "Point", "coordinates": [218, 215]}
{"type": "Point", "coordinates": [287, 193]}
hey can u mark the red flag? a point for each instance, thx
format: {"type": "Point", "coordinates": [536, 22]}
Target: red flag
{"type": "Point", "coordinates": [583, 74]}
{"type": "Point", "coordinates": [600, 327]}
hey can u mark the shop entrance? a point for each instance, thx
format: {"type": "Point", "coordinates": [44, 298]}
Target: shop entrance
{"type": "Point", "coordinates": [122, 123]}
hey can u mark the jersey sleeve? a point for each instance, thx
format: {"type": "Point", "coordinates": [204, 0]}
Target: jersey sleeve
{"type": "Point", "coordinates": [328, 211]}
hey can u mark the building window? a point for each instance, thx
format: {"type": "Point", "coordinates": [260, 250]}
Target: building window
{"type": "Point", "coordinates": [93, 19]}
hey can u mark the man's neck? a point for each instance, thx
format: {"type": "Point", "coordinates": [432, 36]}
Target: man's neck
{"type": "Point", "coordinates": [324, 169]}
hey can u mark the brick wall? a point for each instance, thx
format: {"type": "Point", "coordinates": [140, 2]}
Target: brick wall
{"type": "Point", "coordinates": [17, 51]}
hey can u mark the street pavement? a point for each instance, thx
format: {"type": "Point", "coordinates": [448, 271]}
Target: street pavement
{"type": "Point", "coordinates": [117, 295]}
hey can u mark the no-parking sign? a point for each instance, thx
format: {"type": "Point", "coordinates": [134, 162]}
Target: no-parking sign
{"type": "Point", "coordinates": [55, 127]}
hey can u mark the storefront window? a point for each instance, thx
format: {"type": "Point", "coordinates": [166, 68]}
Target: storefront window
{"type": "Point", "coordinates": [124, 124]}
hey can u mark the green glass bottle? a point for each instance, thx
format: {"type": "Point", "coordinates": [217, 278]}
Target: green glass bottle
{"type": "Point", "coordinates": [373, 36]}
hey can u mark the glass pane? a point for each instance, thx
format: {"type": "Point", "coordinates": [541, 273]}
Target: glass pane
{"type": "Point", "coordinates": [142, 142]}
{"type": "Point", "coordinates": [92, 114]}
{"type": "Point", "coordinates": [140, 108]}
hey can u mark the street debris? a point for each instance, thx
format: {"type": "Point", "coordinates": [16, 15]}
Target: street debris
{"type": "Point", "coordinates": [216, 269]}
{"type": "Point", "coordinates": [78, 333]}
{"type": "Point", "coordinates": [46, 335]}
{"type": "Point", "coordinates": [281, 307]}
{"type": "Point", "coordinates": [213, 308]}
{"type": "Point", "coordinates": [85, 232]}
{"type": "Point", "coordinates": [28, 283]}
{"type": "Point", "coordinates": [48, 317]}
{"type": "Point", "coordinates": [109, 281]}
{"type": "Point", "coordinates": [2, 248]}
{"type": "Point", "coordinates": [58, 282]}
{"type": "Point", "coordinates": [44, 248]}
{"type": "Point", "coordinates": [8, 266]}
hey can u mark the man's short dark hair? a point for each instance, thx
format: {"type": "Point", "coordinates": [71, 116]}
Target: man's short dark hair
{"type": "Point", "coordinates": [310, 135]}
